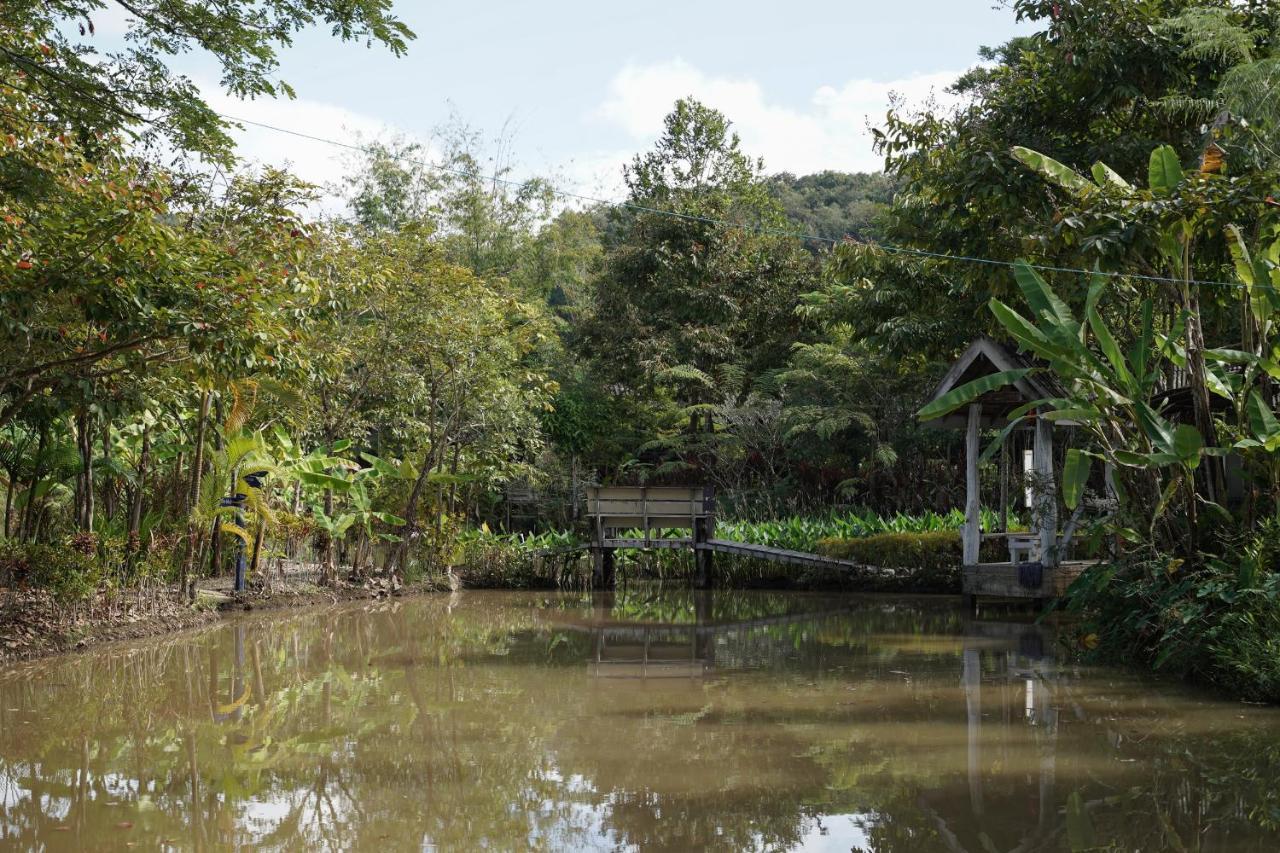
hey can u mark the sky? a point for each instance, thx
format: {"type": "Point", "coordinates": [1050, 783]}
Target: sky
{"type": "Point", "coordinates": [574, 89]}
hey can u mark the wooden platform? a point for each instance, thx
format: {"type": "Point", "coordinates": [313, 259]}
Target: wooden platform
{"type": "Point", "coordinates": [1000, 580]}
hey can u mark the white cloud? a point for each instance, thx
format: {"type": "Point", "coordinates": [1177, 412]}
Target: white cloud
{"type": "Point", "coordinates": [312, 160]}
{"type": "Point", "coordinates": [595, 175]}
{"type": "Point", "coordinates": [830, 132]}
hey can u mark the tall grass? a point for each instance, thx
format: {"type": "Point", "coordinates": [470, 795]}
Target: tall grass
{"type": "Point", "coordinates": [795, 533]}
{"type": "Point", "coordinates": [548, 558]}
{"type": "Point", "coordinates": [802, 533]}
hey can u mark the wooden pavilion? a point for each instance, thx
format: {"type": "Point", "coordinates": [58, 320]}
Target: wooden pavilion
{"type": "Point", "coordinates": [1036, 567]}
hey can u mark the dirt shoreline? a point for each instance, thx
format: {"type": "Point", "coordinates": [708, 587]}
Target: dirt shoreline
{"type": "Point", "coordinates": [33, 626]}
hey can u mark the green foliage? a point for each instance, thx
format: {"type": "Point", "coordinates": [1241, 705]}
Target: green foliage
{"type": "Point", "coordinates": [686, 303]}
{"type": "Point", "coordinates": [1107, 80]}
{"type": "Point", "coordinates": [934, 550]}
{"type": "Point", "coordinates": [833, 205]}
{"type": "Point", "coordinates": [969, 392]}
{"type": "Point", "coordinates": [70, 573]}
{"type": "Point", "coordinates": [1216, 622]}
{"type": "Point", "coordinates": [805, 533]}
{"type": "Point", "coordinates": [130, 87]}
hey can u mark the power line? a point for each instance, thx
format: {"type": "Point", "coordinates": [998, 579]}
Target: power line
{"type": "Point", "coordinates": [886, 247]}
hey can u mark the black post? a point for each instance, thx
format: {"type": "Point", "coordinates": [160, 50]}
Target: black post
{"type": "Point", "coordinates": [236, 501]}
{"type": "Point", "coordinates": [239, 551]}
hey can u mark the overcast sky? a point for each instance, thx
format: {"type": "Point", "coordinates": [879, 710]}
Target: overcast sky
{"type": "Point", "coordinates": [581, 86]}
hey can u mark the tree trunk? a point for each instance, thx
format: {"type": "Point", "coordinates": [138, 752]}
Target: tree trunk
{"type": "Point", "coordinates": [1212, 468]}
{"type": "Point", "coordinates": [84, 439]}
{"type": "Point", "coordinates": [193, 496]}
{"type": "Point", "coordinates": [188, 560]}
{"type": "Point", "coordinates": [257, 547]}
{"type": "Point", "coordinates": [8, 500]}
{"type": "Point", "coordinates": [453, 487]}
{"type": "Point", "coordinates": [135, 506]}
{"type": "Point", "coordinates": [395, 556]}
{"type": "Point", "coordinates": [215, 547]}
{"type": "Point", "coordinates": [108, 482]}
{"type": "Point", "coordinates": [197, 452]}
{"type": "Point", "coordinates": [327, 572]}
{"type": "Point", "coordinates": [28, 516]}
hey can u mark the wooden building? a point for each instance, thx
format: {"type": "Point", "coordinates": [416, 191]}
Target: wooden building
{"type": "Point", "coordinates": [1038, 567]}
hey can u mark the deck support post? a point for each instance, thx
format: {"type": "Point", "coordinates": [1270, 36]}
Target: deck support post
{"type": "Point", "coordinates": [972, 491]}
{"type": "Point", "coordinates": [1004, 486]}
{"type": "Point", "coordinates": [702, 557]}
{"type": "Point", "coordinates": [602, 568]}
{"type": "Point", "coordinates": [1045, 512]}
{"type": "Point", "coordinates": [601, 559]}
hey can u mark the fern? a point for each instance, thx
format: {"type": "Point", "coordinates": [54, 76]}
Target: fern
{"type": "Point", "coordinates": [1211, 35]}
{"type": "Point", "coordinates": [686, 373]}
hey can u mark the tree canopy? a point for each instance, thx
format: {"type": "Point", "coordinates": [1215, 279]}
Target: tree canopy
{"type": "Point", "coordinates": [53, 51]}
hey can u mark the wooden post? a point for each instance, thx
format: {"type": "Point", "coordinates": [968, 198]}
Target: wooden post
{"type": "Point", "coordinates": [1046, 509]}
{"type": "Point", "coordinates": [703, 529]}
{"type": "Point", "coordinates": [972, 493]}
{"type": "Point", "coordinates": [702, 557]}
{"type": "Point", "coordinates": [597, 548]}
{"type": "Point", "coordinates": [607, 564]}
{"type": "Point", "coordinates": [1004, 486]}
{"type": "Point", "coordinates": [644, 513]}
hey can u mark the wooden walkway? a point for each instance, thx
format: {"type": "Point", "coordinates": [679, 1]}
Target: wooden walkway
{"type": "Point", "coordinates": [722, 546]}
{"type": "Point", "coordinates": [777, 555]}
{"type": "Point", "coordinates": [617, 513]}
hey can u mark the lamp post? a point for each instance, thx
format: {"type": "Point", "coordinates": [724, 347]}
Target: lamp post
{"type": "Point", "coordinates": [236, 501]}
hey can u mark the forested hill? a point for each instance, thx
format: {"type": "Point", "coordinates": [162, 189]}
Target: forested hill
{"type": "Point", "coordinates": [832, 204]}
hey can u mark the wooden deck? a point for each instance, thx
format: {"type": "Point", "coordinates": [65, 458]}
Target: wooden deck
{"type": "Point", "coordinates": [1001, 580]}
{"type": "Point", "coordinates": [683, 517]}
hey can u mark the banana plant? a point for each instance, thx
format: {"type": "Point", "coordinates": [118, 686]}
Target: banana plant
{"type": "Point", "coordinates": [340, 498]}
{"type": "Point", "coordinates": [1111, 395]}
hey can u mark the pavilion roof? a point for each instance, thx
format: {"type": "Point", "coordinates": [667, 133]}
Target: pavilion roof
{"type": "Point", "coordinates": [986, 356]}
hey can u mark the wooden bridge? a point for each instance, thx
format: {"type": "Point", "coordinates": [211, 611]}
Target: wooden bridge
{"type": "Point", "coordinates": [618, 513]}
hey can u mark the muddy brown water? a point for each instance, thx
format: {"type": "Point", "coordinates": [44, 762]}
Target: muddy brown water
{"type": "Point", "coordinates": [645, 720]}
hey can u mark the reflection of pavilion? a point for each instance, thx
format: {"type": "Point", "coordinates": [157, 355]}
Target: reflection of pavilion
{"type": "Point", "coordinates": [1026, 664]}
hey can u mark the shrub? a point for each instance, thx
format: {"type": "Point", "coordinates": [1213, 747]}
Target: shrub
{"type": "Point", "coordinates": [932, 550]}
{"type": "Point", "coordinates": [1216, 622]}
{"type": "Point", "coordinates": [922, 562]}
{"type": "Point", "coordinates": [488, 564]}
{"type": "Point", "coordinates": [70, 571]}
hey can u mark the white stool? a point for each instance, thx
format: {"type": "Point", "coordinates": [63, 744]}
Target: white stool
{"type": "Point", "coordinates": [1023, 548]}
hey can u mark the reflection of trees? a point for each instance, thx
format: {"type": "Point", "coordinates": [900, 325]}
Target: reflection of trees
{"type": "Point", "coordinates": [473, 720]}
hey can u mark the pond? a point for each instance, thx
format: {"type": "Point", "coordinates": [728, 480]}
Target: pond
{"type": "Point", "coordinates": [648, 719]}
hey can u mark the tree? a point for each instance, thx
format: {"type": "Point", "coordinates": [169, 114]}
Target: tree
{"type": "Point", "coordinates": [113, 269]}
{"type": "Point", "coordinates": [1102, 80]}
{"type": "Point", "coordinates": [698, 295]}
{"type": "Point", "coordinates": [834, 205]}
{"type": "Point", "coordinates": [132, 89]}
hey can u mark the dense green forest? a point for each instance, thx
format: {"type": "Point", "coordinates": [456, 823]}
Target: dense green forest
{"type": "Point", "coordinates": [180, 330]}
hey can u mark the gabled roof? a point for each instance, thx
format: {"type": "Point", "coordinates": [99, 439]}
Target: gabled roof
{"type": "Point", "coordinates": [984, 357]}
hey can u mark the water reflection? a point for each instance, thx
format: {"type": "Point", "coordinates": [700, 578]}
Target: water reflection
{"type": "Point", "coordinates": [645, 719]}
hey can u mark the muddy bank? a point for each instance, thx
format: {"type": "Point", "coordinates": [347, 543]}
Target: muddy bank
{"type": "Point", "coordinates": [33, 624]}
